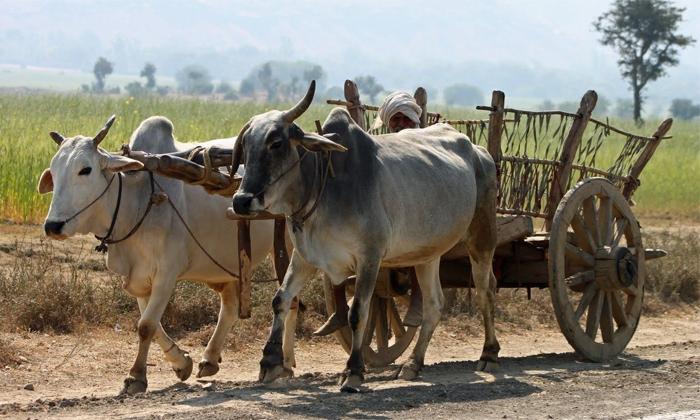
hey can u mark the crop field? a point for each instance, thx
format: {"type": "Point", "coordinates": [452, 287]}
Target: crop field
{"type": "Point", "coordinates": [670, 187]}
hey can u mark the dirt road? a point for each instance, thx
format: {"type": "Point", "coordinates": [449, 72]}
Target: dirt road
{"type": "Point", "coordinates": [540, 378]}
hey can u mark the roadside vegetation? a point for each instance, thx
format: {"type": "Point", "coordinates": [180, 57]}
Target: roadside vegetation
{"type": "Point", "coordinates": [49, 288]}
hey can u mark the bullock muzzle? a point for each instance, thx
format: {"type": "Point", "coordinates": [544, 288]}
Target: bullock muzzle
{"type": "Point", "coordinates": [53, 229]}
{"type": "Point", "coordinates": [242, 204]}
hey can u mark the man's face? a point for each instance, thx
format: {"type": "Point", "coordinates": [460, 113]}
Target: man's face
{"type": "Point", "coordinates": [399, 121]}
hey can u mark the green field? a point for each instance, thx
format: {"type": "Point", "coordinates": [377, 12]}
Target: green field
{"type": "Point", "coordinates": [670, 186]}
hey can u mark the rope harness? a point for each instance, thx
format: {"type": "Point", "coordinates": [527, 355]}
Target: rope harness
{"type": "Point", "coordinates": [295, 218]}
{"type": "Point", "coordinates": [156, 198]}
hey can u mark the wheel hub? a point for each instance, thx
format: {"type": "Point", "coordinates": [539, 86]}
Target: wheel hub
{"type": "Point", "coordinates": [615, 269]}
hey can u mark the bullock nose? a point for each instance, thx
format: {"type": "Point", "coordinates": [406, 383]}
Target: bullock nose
{"type": "Point", "coordinates": [241, 202]}
{"type": "Point", "coordinates": [53, 228]}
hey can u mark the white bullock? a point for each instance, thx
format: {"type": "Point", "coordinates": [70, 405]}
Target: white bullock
{"type": "Point", "coordinates": [86, 182]}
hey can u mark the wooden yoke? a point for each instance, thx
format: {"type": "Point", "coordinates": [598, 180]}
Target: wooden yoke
{"type": "Point", "coordinates": [644, 158]}
{"type": "Point", "coordinates": [568, 151]}
{"type": "Point", "coordinates": [421, 97]}
{"type": "Point", "coordinates": [352, 95]}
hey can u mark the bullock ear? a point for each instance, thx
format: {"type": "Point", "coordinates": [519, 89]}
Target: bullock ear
{"type": "Point", "coordinates": [123, 164]}
{"type": "Point", "coordinates": [45, 182]}
{"type": "Point", "coordinates": [324, 143]}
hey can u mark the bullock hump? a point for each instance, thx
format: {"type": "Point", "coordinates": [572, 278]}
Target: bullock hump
{"type": "Point", "coordinates": [155, 134]}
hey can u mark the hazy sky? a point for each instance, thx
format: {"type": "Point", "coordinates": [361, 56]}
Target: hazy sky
{"type": "Point", "coordinates": [349, 37]}
{"type": "Point", "coordinates": [554, 33]}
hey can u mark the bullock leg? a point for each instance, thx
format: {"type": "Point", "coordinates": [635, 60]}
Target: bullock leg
{"type": "Point", "coordinates": [481, 245]}
{"type": "Point", "coordinates": [148, 325]}
{"type": "Point", "coordinates": [414, 316]}
{"type": "Point", "coordinates": [433, 299]}
{"type": "Point", "coordinates": [353, 376]}
{"type": "Point", "coordinates": [272, 363]}
{"type": "Point", "coordinates": [228, 313]}
{"type": "Point", "coordinates": [290, 326]}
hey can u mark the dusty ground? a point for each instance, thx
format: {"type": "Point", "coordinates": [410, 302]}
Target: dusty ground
{"type": "Point", "coordinates": [79, 377]}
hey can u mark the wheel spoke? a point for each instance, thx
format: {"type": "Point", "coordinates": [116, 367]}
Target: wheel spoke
{"type": "Point", "coordinates": [371, 318]}
{"type": "Point", "coordinates": [621, 227]}
{"type": "Point", "coordinates": [591, 217]}
{"type": "Point", "coordinates": [395, 319]}
{"type": "Point", "coordinates": [583, 234]}
{"type": "Point", "coordinates": [382, 326]}
{"type": "Point", "coordinates": [607, 329]}
{"type": "Point", "coordinates": [594, 312]}
{"type": "Point", "coordinates": [580, 278]}
{"type": "Point", "coordinates": [579, 255]}
{"type": "Point", "coordinates": [605, 220]}
{"type": "Point", "coordinates": [631, 290]}
{"type": "Point", "coordinates": [586, 298]}
{"type": "Point", "coordinates": [618, 309]}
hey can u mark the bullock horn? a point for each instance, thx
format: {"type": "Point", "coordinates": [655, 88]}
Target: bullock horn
{"type": "Point", "coordinates": [302, 106]}
{"type": "Point", "coordinates": [101, 135]}
{"type": "Point", "coordinates": [57, 137]}
{"type": "Point", "coordinates": [238, 149]}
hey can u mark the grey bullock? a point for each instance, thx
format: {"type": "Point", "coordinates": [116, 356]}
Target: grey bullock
{"type": "Point", "coordinates": [91, 187]}
{"type": "Point", "coordinates": [396, 200]}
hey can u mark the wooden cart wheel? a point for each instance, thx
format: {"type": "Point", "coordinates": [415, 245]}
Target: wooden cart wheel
{"type": "Point", "coordinates": [596, 269]}
{"type": "Point", "coordinates": [386, 338]}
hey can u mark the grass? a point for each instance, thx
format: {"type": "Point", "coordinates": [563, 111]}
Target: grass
{"type": "Point", "coordinates": [669, 182]}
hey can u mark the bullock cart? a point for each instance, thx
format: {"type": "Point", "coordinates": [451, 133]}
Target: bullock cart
{"type": "Point", "coordinates": [564, 223]}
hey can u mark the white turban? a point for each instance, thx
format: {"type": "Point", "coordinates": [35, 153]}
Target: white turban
{"type": "Point", "coordinates": [393, 104]}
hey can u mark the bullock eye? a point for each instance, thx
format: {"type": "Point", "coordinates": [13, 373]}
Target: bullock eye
{"type": "Point", "coordinates": [276, 144]}
{"type": "Point", "coordinates": [85, 171]}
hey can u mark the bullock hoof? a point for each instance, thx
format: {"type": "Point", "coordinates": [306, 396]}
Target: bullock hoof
{"type": "Point", "coordinates": [352, 384]}
{"type": "Point", "coordinates": [207, 368]}
{"type": "Point", "coordinates": [270, 373]}
{"type": "Point", "coordinates": [287, 373]}
{"type": "Point", "coordinates": [134, 386]}
{"type": "Point", "coordinates": [409, 372]}
{"type": "Point", "coordinates": [185, 372]}
{"type": "Point", "coordinates": [414, 316]}
{"type": "Point", "coordinates": [487, 366]}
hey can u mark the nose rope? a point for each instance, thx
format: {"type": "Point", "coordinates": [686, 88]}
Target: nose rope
{"type": "Point", "coordinates": [306, 152]}
{"type": "Point", "coordinates": [298, 221]}
{"type": "Point", "coordinates": [93, 201]}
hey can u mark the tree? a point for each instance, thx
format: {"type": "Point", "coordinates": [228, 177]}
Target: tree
{"type": "Point", "coordinates": [547, 105]}
{"type": "Point", "coordinates": [684, 109]}
{"type": "Point", "coordinates": [247, 88]}
{"type": "Point", "coordinates": [314, 73]}
{"type": "Point", "coordinates": [369, 86]}
{"type": "Point", "coordinates": [102, 69]}
{"type": "Point", "coordinates": [149, 72]}
{"type": "Point", "coordinates": [194, 80]}
{"type": "Point", "coordinates": [624, 108]}
{"type": "Point", "coordinates": [463, 94]}
{"type": "Point", "coordinates": [644, 34]}
{"type": "Point", "coordinates": [136, 90]}
{"type": "Point", "coordinates": [602, 106]}
{"type": "Point", "coordinates": [268, 82]}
